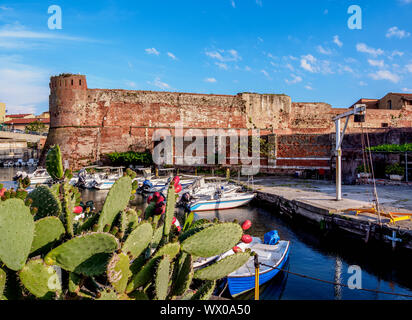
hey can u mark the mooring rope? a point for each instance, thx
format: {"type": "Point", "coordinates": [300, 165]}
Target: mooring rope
{"type": "Point", "coordinates": [335, 283]}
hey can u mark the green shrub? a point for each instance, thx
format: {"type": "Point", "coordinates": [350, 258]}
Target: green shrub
{"type": "Point", "coordinates": [392, 148]}
{"type": "Point", "coordinates": [395, 169]}
{"type": "Point", "coordinates": [131, 157]}
{"type": "Point", "coordinates": [361, 169]}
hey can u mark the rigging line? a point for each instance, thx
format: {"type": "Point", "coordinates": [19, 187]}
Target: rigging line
{"type": "Point", "coordinates": [336, 283]}
{"type": "Point", "coordinates": [374, 181]}
{"type": "Point", "coordinates": [365, 162]}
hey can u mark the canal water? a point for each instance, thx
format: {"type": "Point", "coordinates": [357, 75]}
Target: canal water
{"type": "Point", "coordinates": [312, 254]}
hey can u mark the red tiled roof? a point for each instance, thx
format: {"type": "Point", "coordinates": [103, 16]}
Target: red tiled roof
{"type": "Point", "coordinates": [27, 121]}
{"type": "Point", "coordinates": [18, 115]}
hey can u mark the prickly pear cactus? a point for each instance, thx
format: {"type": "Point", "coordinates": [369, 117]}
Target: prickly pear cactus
{"type": "Point", "coordinates": [170, 210]}
{"type": "Point", "coordinates": [161, 281]}
{"type": "Point", "coordinates": [73, 253]}
{"type": "Point", "coordinates": [16, 233]}
{"type": "Point", "coordinates": [184, 277]}
{"type": "Point", "coordinates": [116, 201]}
{"type": "Point", "coordinates": [213, 240]}
{"type": "Point", "coordinates": [54, 163]}
{"type": "Point", "coordinates": [118, 271]}
{"type": "Point", "coordinates": [40, 280]}
{"type": "Point", "coordinates": [205, 291]}
{"type": "Point", "coordinates": [46, 201]}
{"type": "Point", "coordinates": [138, 240]}
{"type": "Point", "coordinates": [222, 268]}
{"type": "Point", "coordinates": [46, 232]}
{"type": "Point", "coordinates": [3, 279]}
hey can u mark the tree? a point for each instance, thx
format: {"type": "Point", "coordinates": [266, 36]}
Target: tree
{"type": "Point", "coordinates": [36, 126]}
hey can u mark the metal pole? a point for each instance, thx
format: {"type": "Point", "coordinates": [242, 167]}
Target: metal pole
{"type": "Point", "coordinates": [256, 277]}
{"type": "Point", "coordinates": [338, 162]}
{"type": "Point", "coordinates": [406, 166]}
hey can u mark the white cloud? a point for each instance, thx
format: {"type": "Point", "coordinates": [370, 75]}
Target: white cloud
{"type": "Point", "coordinates": [131, 84]}
{"type": "Point", "coordinates": [290, 67]}
{"type": "Point", "coordinates": [406, 1]}
{"type": "Point", "coordinates": [398, 33]}
{"type": "Point", "coordinates": [224, 55]}
{"type": "Point", "coordinates": [407, 90]}
{"type": "Point", "coordinates": [296, 79]}
{"type": "Point", "coordinates": [385, 75]}
{"type": "Point", "coordinates": [376, 63]}
{"type": "Point", "coordinates": [306, 61]}
{"type": "Point", "coordinates": [409, 68]}
{"type": "Point", "coordinates": [361, 47]}
{"type": "Point", "coordinates": [266, 74]}
{"type": "Point", "coordinates": [222, 65]}
{"type": "Point", "coordinates": [259, 3]}
{"type": "Point", "coordinates": [232, 2]}
{"type": "Point", "coordinates": [23, 88]}
{"type": "Point", "coordinates": [210, 80]}
{"type": "Point", "coordinates": [337, 41]}
{"type": "Point", "coordinates": [152, 51]}
{"type": "Point", "coordinates": [396, 53]}
{"type": "Point", "coordinates": [326, 51]}
{"type": "Point", "coordinates": [247, 68]}
{"type": "Point", "coordinates": [363, 84]}
{"type": "Point", "coordinates": [158, 83]}
{"type": "Point", "coordinates": [308, 87]}
{"type": "Point", "coordinates": [171, 55]}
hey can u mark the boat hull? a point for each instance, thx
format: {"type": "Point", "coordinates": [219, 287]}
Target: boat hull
{"type": "Point", "coordinates": [220, 204]}
{"type": "Point", "coordinates": [240, 285]}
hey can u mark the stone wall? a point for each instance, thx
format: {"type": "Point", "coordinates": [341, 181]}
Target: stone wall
{"type": "Point", "coordinates": [88, 123]}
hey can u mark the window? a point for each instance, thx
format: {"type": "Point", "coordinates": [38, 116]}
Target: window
{"type": "Point", "coordinates": [385, 125]}
{"type": "Point", "coordinates": [80, 82]}
{"type": "Point", "coordinates": [72, 81]}
{"type": "Point", "coordinates": [390, 104]}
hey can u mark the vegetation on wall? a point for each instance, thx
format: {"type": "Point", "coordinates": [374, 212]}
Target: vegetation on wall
{"type": "Point", "coordinates": [392, 148]}
{"type": "Point", "coordinates": [131, 158]}
{"type": "Point", "coordinates": [36, 126]}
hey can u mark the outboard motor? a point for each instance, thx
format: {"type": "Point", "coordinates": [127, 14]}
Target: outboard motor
{"type": "Point", "coordinates": [147, 185]}
{"type": "Point", "coordinates": [185, 201]}
{"type": "Point", "coordinates": [271, 238]}
{"type": "Point", "coordinates": [81, 183]}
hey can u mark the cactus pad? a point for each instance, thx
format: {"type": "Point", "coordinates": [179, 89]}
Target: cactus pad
{"type": "Point", "coordinates": [157, 237]}
{"type": "Point", "coordinates": [116, 201]}
{"type": "Point", "coordinates": [170, 210]}
{"type": "Point", "coordinates": [213, 240]}
{"type": "Point", "coordinates": [107, 295]}
{"type": "Point", "coordinates": [3, 278]}
{"type": "Point", "coordinates": [78, 251]}
{"type": "Point", "coordinates": [40, 280]}
{"type": "Point", "coordinates": [184, 277]}
{"type": "Point", "coordinates": [118, 271]}
{"type": "Point", "coordinates": [46, 231]}
{"type": "Point", "coordinates": [74, 282]}
{"type": "Point", "coordinates": [205, 291]}
{"type": "Point", "coordinates": [16, 233]}
{"type": "Point", "coordinates": [46, 201]}
{"type": "Point", "coordinates": [222, 268]}
{"type": "Point", "coordinates": [54, 163]}
{"type": "Point", "coordinates": [138, 240]}
{"type": "Point", "coordinates": [161, 281]}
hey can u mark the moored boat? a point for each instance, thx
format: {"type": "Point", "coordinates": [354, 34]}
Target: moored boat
{"type": "Point", "coordinates": [272, 257]}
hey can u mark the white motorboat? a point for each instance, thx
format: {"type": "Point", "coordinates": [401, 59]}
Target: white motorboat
{"type": "Point", "coordinates": [40, 176]}
{"type": "Point", "coordinates": [105, 180]}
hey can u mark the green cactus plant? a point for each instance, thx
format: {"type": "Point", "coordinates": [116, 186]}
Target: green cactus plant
{"type": "Point", "coordinates": [118, 271]}
{"type": "Point", "coordinates": [205, 291]}
{"type": "Point", "coordinates": [184, 276]}
{"type": "Point", "coordinates": [16, 233]}
{"type": "Point", "coordinates": [46, 201]}
{"type": "Point", "coordinates": [40, 280]}
{"type": "Point", "coordinates": [223, 267]}
{"type": "Point", "coordinates": [161, 278]}
{"type": "Point", "coordinates": [3, 278]}
{"type": "Point", "coordinates": [138, 240]}
{"type": "Point", "coordinates": [46, 232]}
{"type": "Point", "coordinates": [73, 253]}
{"type": "Point", "coordinates": [116, 201]}
{"type": "Point", "coordinates": [54, 163]}
{"type": "Point", "coordinates": [208, 242]}
{"type": "Point", "coordinates": [170, 210]}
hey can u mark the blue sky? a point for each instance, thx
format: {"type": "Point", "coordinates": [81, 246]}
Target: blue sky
{"type": "Point", "coordinates": [301, 48]}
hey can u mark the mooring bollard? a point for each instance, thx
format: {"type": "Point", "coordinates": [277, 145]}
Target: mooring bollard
{"type": "Point", "coordinates": [157, 173]}
{"type": "Point", "coordinates": [256, 277]}
{"type": "Point", "coordinates": [227, 173]}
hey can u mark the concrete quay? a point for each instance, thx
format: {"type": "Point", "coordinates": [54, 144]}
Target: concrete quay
{"type": "Point", "coordinates": [314, 200]}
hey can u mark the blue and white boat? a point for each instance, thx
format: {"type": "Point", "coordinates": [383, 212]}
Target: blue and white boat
{"type": "Point", "coordinates": [274, 255]}
{"type": "Point", "coordinates": [220, 201]}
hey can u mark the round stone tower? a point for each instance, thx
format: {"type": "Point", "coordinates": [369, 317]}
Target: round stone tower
{"type": "Point", "coordinates": [68, 95]}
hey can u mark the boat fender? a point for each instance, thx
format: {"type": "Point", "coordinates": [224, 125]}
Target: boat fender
{"type": "Point", "coordinates": [271, 238]}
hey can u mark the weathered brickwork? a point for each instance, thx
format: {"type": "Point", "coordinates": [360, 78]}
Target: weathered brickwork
{"type": "Point", "coordinates": [88, 123]}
